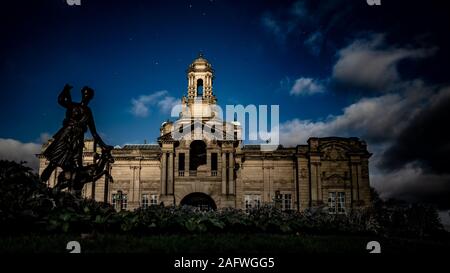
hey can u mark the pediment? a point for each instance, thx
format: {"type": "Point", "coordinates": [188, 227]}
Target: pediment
{"type": "Point", "coordinates": [334, 152]}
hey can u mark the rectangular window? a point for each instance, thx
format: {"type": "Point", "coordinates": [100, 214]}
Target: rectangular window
{"type": "Point", "coordinates": [154, 200]}
{"type": "Point", "coordinates": [119, 204]}
{"type": "Point", "coordinates": [257, 201]}
{"type": "Point", "coordinates": [336, 202]}
{"type": "Point", "coordinates": [213, 161]}
{"type": "Point", "coordinates": [144, 201]}
{"type": "Point", "coordinates": [332, 202]}
{"type": "Point", "coordinates": [181, 161]}
{"type": "Point", "coordinates": [252, 201]}
{"type": "Point", "coordinates": [124, 201]}
{"type": "Point", "coordinates": [248, 202]}
{"type": "Point", "coordinates": [113, 200]}
{"type": "Point", "coordinates": [286, 201]}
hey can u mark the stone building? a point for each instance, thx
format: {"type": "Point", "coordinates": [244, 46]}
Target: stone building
{"type": "Point", "coordinates": [205, 170]}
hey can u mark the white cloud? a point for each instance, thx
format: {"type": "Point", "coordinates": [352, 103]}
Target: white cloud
{"type": "Point", "coordinates": [307, 86]}
{"type": "Point", "coordinates": [371, 63]}
{"type": "Point", "coordinates": [44, 137]}
{"type": "Point", "coordinates": [377, 119]}
{"type": "Point", "coordinates": [161, 99]}
{"type": "Point", "coordinates": [167, 103]}
{"type": "Point", "coordinates": [11, 149]}
{"type": "Point", "coordinates": [381, 121]}
{"type": "Point", "coordinates": [411, 183]}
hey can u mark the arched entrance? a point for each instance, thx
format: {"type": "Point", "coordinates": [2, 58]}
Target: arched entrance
{"type": "Point", "coordinates": [200, 200]}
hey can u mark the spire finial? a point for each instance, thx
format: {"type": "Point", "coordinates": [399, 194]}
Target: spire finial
{"type": "Point", "coordinates": [200, 54]}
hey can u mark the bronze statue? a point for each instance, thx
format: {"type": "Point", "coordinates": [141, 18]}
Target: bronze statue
{"type": "Point", "coordinates": [66, 149]}
{"type": "Point", "coordinates": [76, 179]}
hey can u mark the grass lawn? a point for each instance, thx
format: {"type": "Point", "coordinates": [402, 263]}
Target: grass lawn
{"type": "Point", "coordinates": [219, 244]}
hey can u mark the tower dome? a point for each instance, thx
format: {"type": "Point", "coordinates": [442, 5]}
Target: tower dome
{"type": "Point", "coordinates": [200, 75]}
{"type": "Point", "coordinates": [200, 64]}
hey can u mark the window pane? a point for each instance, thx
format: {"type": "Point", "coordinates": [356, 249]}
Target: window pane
{"type": "Point", "coordinates": [287, 201]}
{"type": "Point", "coordinates": [154, 200]}
{"type": "Point", "coordinates": [332, 202]}
{"type": "Point", "coordinates": [257, 201]}
{"type": "Point", "coordinates": [341, 202]}
{"type": "Point", "coordinates": [124, 201]}
{"type": "Point", "coordinates": [144, 202]}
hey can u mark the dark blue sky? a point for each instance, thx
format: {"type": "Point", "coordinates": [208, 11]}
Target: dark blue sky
{"type": "Point", "coordinates": [335, 67]}
{"type": "Point", "coordinates": [124, 49]}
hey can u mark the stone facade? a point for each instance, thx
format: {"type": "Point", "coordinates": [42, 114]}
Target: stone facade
{"type": "Point", "coordinates": [205, 170]}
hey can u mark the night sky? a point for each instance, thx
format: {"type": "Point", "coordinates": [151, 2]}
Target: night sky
{"type": "Point", "coordinates": [336, 68]}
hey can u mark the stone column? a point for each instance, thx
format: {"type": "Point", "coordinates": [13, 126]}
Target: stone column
{"type": "Point", "coordinates": [170, 174]}
{"type": "Point", "coordinates": [355, 178]}
{"type": "Point", "coordinates": [315, 183]}
{"type": "Point", "coordinates": [135, 198]}
{"type": "Point", "coordinates": [163, 174]}
{"type": "Point", "coordinates": [208, 162]}
{"type": "Point", "coordinates": [224, 173]}
{"type": "Point", "coordinates": [231, 175]}
{"type": "Point", "coordinates": [186, 163]}
{"type": "Point", "coordinates": [319, 184]}
{"type": "Point", "coordinates": [137, 183]}
{"type": "Point", "coordinates": [266, 180]}
{"type": "Point", "coordinates": [358, 188]}
{"type": "Point", "coordinates": [304, 182]}
{"type": "Point", "coordinates": [131, 186]}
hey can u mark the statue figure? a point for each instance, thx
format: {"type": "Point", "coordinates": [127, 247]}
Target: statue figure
{"type": "Point", "coordinates": [76, 179]}
{"type": "Point", "coordinates": [66, 150]}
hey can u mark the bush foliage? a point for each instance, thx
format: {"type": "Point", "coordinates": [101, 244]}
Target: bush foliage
{"type": "Point", "coordinates": [26, 205]}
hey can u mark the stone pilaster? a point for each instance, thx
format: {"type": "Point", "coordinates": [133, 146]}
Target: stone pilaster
{"type": "Point", "coordinates": [224, 173]}
{"type": "Point", "coordinates": [231, 175]}
{"type": "Point", "coordinates": [268, 187]}
{"type": "Point", "coordinates": [163, 174]}
{"type": "Point", "coordinates": [316, 187]}
{"type": "Point", "coordinates": [134, 196]}
{"type": "Point", "coordinates": [170, 172]}
{"type": "Point", "coordinates": [355, 169]}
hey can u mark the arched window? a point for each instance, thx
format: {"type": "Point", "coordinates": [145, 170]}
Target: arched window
{"type": "Point", "coordinates": [197, 154]}
{"type": "Point", "coordinates": [199, 88]}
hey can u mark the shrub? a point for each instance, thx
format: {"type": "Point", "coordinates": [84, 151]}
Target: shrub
{"type": "Point", "coordinates": [27, 205]}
